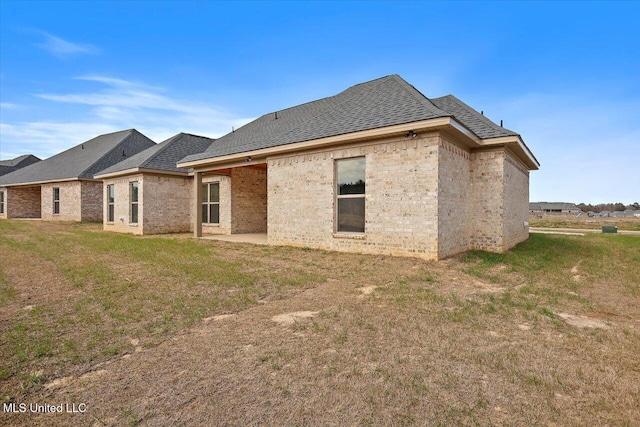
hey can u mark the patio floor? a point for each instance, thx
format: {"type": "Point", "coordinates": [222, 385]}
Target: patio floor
{"type": "Point", "coordinates": [255, 238]}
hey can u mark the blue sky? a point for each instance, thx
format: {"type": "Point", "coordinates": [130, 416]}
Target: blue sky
{"type": "Point", "coordinates": [563, 75]}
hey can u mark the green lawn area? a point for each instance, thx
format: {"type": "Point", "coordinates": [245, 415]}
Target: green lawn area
{"type": "Point", "coordinates": [479, 338]}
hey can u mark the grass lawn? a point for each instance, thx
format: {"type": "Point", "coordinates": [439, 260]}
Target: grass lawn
{"type": "Point", "coordinates": [132, 327]}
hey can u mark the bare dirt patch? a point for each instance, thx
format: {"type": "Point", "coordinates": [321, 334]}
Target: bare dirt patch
{"type": "Point", "coordinates": [291, 318]}
{"type": "Point", "coordinates": [582, 321]}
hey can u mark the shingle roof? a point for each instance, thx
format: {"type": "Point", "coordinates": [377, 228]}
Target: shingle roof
{"type": "Point", "coordinates": [84, 160]}
{"type": "Point", "coordinates": [378, 103]}
{"type": "Point", "coordinates": [476, 122]}
{"type": "Point", "coordinates": [165, 155]}
{"type": "Point", "coordinates": [383, 102]}
{"type": "Point", "coordinates": [8, 166]}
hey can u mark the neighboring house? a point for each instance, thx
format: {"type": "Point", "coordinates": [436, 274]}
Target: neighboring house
{"type": "Point", "coordinates": [554, 208]}
{"type": "Point", "coordinates": [618, 214]}
{"type": "Point", "coordinates": [62, 187]}
{"type": "Point", "coordinates": [630, 213]}
{"type": "Point", "coordinates": [8, 166]}
{"type": "Point", "coordinates": [147, 193]}
{"type": "Point", "coordinates": [605, 214]}
{"type": "Point", "coordinates": [378, 168]}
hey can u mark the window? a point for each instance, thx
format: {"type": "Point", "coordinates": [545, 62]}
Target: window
{"type": "Point", "coordinates": [1, 202]}
{"type": "Point", "coordinates": [350, 192]}
{"type": "Point", "coordinates": [133, 197]}
{"type": "Point", "coordinates": [110, 203]}
{"type": "Point", "coordinates": [56, 200]}
{"type": "Point", "coordinates": [211, 203]}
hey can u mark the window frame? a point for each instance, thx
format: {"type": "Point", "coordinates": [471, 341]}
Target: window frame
{"type": "Point", "coordinates": [56, 201]}
{"type": "Point", "coordinates": [111, 214]}
{"type": "Point", "coordinates": [134, 204]}
{"type": "Point", "coordinates": [1, 202]}
{"type": "Point", "coordinates": [338, 196]}
{"type": "Point", "coordinates": [206, 214]}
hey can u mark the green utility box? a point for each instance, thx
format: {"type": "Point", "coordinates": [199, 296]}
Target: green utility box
{"type": "Point", "coordinates": [609, 229]}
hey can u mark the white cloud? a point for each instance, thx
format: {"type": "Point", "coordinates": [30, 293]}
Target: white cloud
{"type": "Point", "coordinates": [62, 48]}
{"type": "Point", "coordinates": [117, 104]}
{"type": "Point", "coordinates": [9, 106]}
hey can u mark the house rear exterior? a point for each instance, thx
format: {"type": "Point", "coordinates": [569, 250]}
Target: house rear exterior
{"type": "Point", "coordinates": [62, 187]}
{"type": "Point", "coordinates": [147, 193]}
{"type": "Point", "coordinates": [378, 168]}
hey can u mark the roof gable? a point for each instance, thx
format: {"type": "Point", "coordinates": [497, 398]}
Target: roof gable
{"type": "Point", "coordinates": [10, 165]}
{"type": "Point", "coordinates": [84, 160]}
{"type": "Point", "coordinates": [165, 155]}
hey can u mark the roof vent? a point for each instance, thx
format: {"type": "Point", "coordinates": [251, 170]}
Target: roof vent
{"type": "Point", "coordinates": [276, 115]}
{"type": "Point", "coordinates": [83, 146]}
{"type": "Point", "coordinates": [501, 123]}
{"type": "Point", "coordinates": [123, 155]}
{"type": "Point", "coordinates": [482, 112]}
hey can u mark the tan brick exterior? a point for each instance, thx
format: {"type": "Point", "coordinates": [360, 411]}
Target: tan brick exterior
{"type": "Point", "coordinates": [224, 227]}
{"type": "Point", "coordinates": [167, 204]}
{"type": "Point", "coordinates": [70, 201]}
{"type": "Point", "coordinates": [516, 202]}
{"type": "Point", "coordinates": [22, 202]}
{"type": "Point", "coordinates": [248, 200]}
{"type": "Point", "coordinates": [401, 198]}
{"type": "Point", "coordinates": [428, 197]}
{"type": "Point", "coordinates": [91, 203]}
{"type": "Point", "coordinates": [121, 215]}
{"type": "Point", "coordinates": [454, 176]}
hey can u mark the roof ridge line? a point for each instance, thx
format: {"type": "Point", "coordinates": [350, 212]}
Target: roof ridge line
{"type": "Point", "coordinates": [167, 143]}
{"type": "Point", "coordinates": [130, 132]}
{"type": "Point", "coordinates": [423, 99]}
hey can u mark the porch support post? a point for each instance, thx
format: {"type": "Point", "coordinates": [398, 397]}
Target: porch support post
{"type": "Point", "coordinates": [197, 204]}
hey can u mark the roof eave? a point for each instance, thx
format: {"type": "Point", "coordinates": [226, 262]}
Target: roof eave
{"type": "Point", "coordinates": [133, 171]}
{"type": "Point", "coordinates": [422, 125]}
{"type": "Point", "coordinates": [516, 144]}
{"type": "Point", "coordinates": [49, 181]}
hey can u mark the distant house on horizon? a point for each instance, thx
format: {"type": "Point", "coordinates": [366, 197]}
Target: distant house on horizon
{"type": "Point", "coordinates": [62, 187]}
{"type": "Point", "coordinates": [553, 208]}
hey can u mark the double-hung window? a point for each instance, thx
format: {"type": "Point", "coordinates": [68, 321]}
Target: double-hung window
{"type": "Point", "coordinates": [350, 195]}
{"type": "Point", "coordinates": [110, 203]}
{"type": "Point", "coordinates": [211, 203]}
{"type": "Point", "coordinates": [56, 200]}
{"type": "Point", "coordinates": [133, 200]}
{"type": "Point", "coordinates": [1, 202]}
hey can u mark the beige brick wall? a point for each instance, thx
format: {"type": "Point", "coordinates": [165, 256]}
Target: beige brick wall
{"type": "Point", "coordinates": [401, 198]}
{"type": "Point", "coordinates": [120, 222]}
{"type": "Point", "coordinates": [167, 204]}
{"type": "Point", "coordinates": [224, 227]}
{"type": "Point", "coordinates": [70, 201]}
{"type": "Point", "coordinates": [22, 202]}
{"type": "Point", "coordinates": [486, 201]}
{"type": "Point", "coordinates": [248, 200]}
{"type": "Point", "coordinates": [91, 201]}
{"type": "Point", "coordinates": [516, 202]}
{"type": "Point", "coordinates": [454, 176]}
